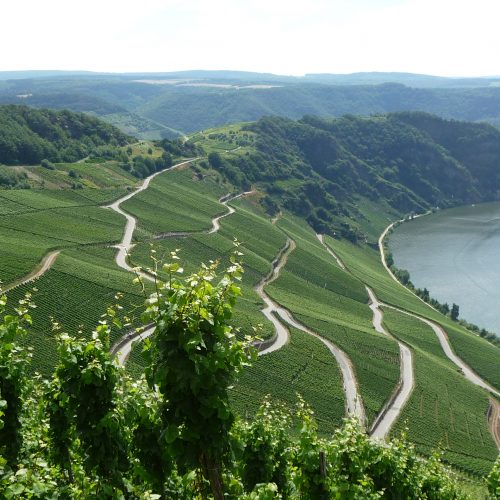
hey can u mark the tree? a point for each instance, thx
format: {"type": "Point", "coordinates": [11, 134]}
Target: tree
{"type": "Point", "coordinates": [454, 312]}
{"type": "Point", "coordinates": [193, 359]}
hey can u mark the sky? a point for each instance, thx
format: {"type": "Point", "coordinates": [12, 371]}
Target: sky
{"type": "Point", "coordinates": [288, 37]}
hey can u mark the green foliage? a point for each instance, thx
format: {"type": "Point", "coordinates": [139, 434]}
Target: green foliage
{"type": "Point", "coordinates": [192, 360]}
{"type": "Point", "coordinates": [493, 480]}
{"type": "Point", "coordinates": [266, 453]}
{"type": "Point", "coordinates": [10, 178]}
{"type": "Point", "coordinates": [13, 366]}
{"type": "Point", "coordinates": [90, 433]}
{"type": "Point", "coordinates": [29, 136]}
{"type": "Point", "coordinates": [83, 395]}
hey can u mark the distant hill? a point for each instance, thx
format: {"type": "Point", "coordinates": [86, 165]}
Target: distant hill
{"type": "Point", "coordinates": [28, 135]}
{"type": "Point", "coordinates": [155, 105]}
{"type": "Point", "coordinates": [200, 108]}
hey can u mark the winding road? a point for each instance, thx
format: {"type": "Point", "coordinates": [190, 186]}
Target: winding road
{"type": "Point", "coordinates": [123, 347]}
{"type": "Point", "coordinates": [46, 263]}
{"type": "Point", "coordinates": [230, 210]}
{"type": "Point", "coordinates": [126, 245]}
{"type": "Point", "coordinates": [392, 409]}
{"type": "Point", "coordinates": [494, 420]}
{"type": "Point", "coordinates": [272, 310]}
{"type": "Point", "coordinates": [394, 404]}
{"type": "Point", "coordinates": [465, 369]}
{"type": "Point", "coordinates": [321, 238]}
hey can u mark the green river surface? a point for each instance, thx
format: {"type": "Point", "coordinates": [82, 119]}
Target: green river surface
{"type": "Point", "coordinates": [455, 254]}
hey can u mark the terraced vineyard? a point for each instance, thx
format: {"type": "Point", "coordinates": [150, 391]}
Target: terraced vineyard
{"type": "Point", "coordinates": [295, 369]}
{"type": "Point", "coordinates": [176, 211]}
{"type": "Point", "coordinates": [444, 407]}
{"type": "Point", "coordinates": [75, 292]}
{"type": "Point", "coordinates": [480, 355]}
{"type": "Point", "coordinates": [185, 208]}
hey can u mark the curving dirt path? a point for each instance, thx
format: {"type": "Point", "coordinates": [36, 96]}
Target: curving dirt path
{"type": "Point", "coordinates": [321, 238]}
{"type": "Point", "coordinates": [123, 346]}
{"type": "Point", "coordinates": [465, 369]}
{"type": "Point", "coordinates": [494, 420]}
{"type": "Point", "coordinates": [282, 335]}
{"type": "Point", "coordinates": [126, 245]}
{"type": "Point", "coordinates": [230, 210]}
{"type": "Point", "coordinates": [42, 268]}
{"type": "Point", "coordinates": [272, 310]}
{"type": "Point", "coordinates": [392, 409]}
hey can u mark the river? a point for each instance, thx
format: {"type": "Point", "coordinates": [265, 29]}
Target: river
{"type": "Point", "coordinates": [455, 254]}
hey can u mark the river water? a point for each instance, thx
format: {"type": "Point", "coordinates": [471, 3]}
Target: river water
{"type": "Point", "coordinates": [455, 254]}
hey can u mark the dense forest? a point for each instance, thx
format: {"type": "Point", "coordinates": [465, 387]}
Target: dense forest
{"type": "Point", "coordinates": [319, 168]}
{"type": "Point", "coordinates": [27, 135]}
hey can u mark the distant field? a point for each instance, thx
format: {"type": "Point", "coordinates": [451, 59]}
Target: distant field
{"type": "Point", "coordinates": [227, 139]}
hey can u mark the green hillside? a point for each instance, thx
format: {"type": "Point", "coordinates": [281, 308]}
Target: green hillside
{"type": "Point", "coordinates": [27, 135]}
{"type": "Point", "coordinates": [345, 178]}
{"type": "Point", "coordinates": [154, 106]}
{"type": "Point", "coordinates": [329, 171]}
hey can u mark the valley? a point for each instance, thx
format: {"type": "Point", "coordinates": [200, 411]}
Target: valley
{"type": "Point", "coordinates": [335, 326]}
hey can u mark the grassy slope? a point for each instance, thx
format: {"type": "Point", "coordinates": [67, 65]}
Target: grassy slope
{"type": "Point", "coordinates": [295, 369]}
{"type": "Point", "coordinates": [444, 407]}
{"type": "Point", "coordinates": [185, 204]}
{"type": "Point", "coordinates": [334, 303]}
{"type": "Point", "coordinates": [35, 221]}
{"type": "Point", "coordinates": [75, 292]}
{"type": "Point", "coordinates": [365, 264]}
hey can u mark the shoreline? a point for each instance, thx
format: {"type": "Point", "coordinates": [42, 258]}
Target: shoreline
{"type": "Point", "coordinates": [467, 300]}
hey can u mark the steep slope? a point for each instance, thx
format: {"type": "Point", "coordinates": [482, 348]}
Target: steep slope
{"type": "Point", "coordinates": [324, 170]}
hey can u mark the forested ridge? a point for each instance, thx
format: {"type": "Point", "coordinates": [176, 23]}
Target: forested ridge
{"type": "Point", "coordinates": [319, 168]}
{"type": "Point", "coordinates": [219, 98]}
{"type": "Point", "coordinates": [29, 135]}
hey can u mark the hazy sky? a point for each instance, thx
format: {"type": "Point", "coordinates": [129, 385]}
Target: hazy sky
{"type": "Point", "coordinates": [441, 37]}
